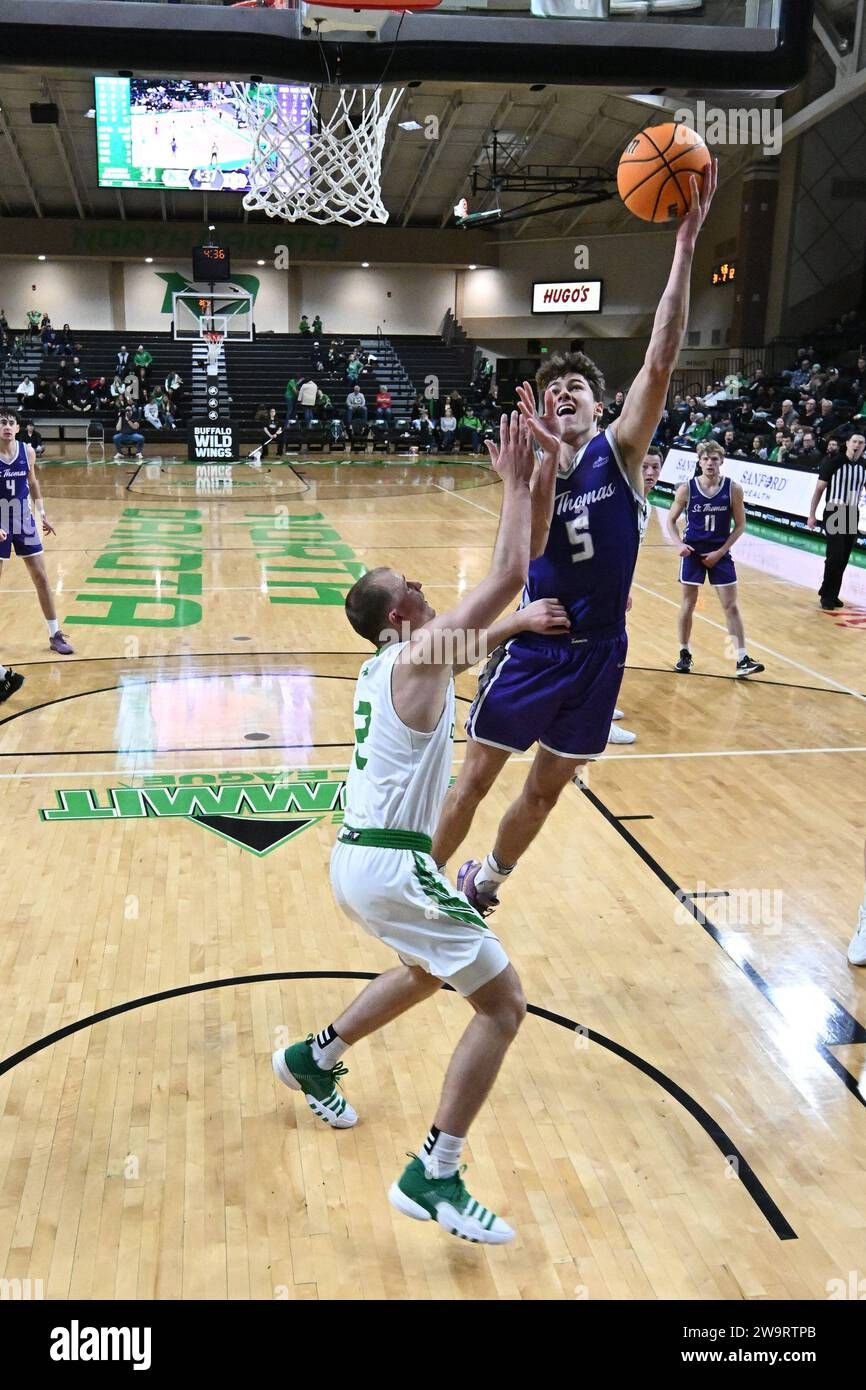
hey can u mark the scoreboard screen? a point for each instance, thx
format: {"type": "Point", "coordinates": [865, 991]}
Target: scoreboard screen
{"type": "Point", "coordinates": [211, 263]}
{"type": "Point", "coordinates": [173, 133]}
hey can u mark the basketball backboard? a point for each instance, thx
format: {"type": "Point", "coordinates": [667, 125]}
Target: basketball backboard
{"type": "Point", "coordinates": [637, 45]}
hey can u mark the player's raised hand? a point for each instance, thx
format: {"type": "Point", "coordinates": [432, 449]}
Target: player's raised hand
{"type": "Point", "coordinates": [702, 197]}
{"type": "Point", "coordinates": [545, 615]}
{"type": "Point", "coordinates": [542, 425]}
{"type": "Point", "coordinates": [512, 459]}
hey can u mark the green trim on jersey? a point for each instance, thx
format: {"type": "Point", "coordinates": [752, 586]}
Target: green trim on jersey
{"type": "Point", "coordinates": [449, 904]}
{"type": "Point", "coordinates": [386, 839]}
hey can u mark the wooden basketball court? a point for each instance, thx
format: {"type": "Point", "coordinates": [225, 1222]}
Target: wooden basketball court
{"type": "Point", "coordinates": [681, 1115]}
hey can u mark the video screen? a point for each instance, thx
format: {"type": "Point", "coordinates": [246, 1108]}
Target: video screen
{"type": "Point", "coordinates": [173, 133]}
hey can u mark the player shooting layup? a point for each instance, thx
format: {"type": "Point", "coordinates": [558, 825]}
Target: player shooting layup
{"type": "Point", "coordinates": [587, 498]}
{"type": "Point", "coordinates": [382, 873]}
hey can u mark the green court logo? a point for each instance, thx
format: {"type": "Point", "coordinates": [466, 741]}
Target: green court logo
{"type": "Point", "coordinates": [257, 811]}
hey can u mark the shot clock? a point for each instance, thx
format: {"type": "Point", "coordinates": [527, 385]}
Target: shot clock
{"type": "Point", "coordinates": [210, 263]}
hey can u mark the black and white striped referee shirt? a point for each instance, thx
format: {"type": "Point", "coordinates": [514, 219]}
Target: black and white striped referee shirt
{"type": "Point", "coordinates": [845, 481]}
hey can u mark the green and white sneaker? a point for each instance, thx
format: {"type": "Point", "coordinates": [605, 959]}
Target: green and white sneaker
{"type": "Point", "coordinates": [446, 1200]}
{"type": "Point", "coordinates": [294, 1066]}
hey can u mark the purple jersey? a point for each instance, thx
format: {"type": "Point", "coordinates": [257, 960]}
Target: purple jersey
{"type": "Point", "coordinates": [591, 551]}
{"type": "Point", "coordinates": [708, 519]}
{"type": "Point", "coordinates": [15, 480]}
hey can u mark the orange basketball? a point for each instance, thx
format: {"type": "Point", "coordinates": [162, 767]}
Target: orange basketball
{"type": "Point", "coordinates": [654, 171]}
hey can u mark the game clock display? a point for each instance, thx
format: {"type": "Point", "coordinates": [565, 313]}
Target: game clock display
{"type": "Point", "coordinates": [210, 263]}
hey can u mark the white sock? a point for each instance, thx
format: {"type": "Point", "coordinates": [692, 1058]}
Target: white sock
{"type": "Point", "coordinates": [741, 652]}
{"type": "Point", "coordinates": [53, 626]}
{"type": "Point", "coordinates": [328, 1047]}
{"type": "Point", "coordinates": [440, 1153]}
{"type": "Point", "coordinates": [491, 875]}
{"type": "Point", "coordinates": [3, 673]}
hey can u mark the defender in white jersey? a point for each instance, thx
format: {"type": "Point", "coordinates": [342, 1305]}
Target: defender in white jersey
{"type": "Point", "coordinates": [382, 872]}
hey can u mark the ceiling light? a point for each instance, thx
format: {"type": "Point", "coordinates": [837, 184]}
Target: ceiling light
{"type": "Point", "coordinates": [473, 267]}
{"type": "Point", "coordinates": [40, 258]}
{"type": "Point", "coordinates": [259, 262]}
{"type": "Point", "coordinates": [148, 260]}
{"type": "Point", "coordinates": [365, 265]}
{"type": "Point", "coordinates": [90, 115]}
{"type": "Point", "coordinates": [211, 227]}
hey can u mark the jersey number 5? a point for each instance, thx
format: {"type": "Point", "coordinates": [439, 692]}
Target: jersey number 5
{"type": "Point", "coordinates": [364, 712]}
{"type": "Point", "coordinates": [579, 538]}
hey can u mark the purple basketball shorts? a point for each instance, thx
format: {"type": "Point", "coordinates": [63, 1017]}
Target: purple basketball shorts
{"type": "Point", "coordinates": [559, 693]}
{"type": "Point", "coordinates": [25, 542]}
{"type": "Point", "coordinates": [694, 571]}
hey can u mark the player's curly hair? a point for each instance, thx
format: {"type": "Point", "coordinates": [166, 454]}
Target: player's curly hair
{"type": "Point", "coordinates": [709, 446]}
{"type": "Point", "coordinates": [563, 362]}
{"type": "Point", "coordinates": [367, 604]}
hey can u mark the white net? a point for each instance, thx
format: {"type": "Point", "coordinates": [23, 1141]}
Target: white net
{"type": "Point", "coordinates": [326, 170]}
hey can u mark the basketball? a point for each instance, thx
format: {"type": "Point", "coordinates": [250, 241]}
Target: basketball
{"type": "Point", "coordinates": [655, 168]}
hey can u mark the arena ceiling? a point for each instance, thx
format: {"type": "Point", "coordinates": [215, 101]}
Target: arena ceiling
{"type": "Point", "coordinates": [49, 171]}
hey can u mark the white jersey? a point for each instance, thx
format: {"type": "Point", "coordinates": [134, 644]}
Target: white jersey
{"type": "Point", "coordinates": [398, 777]}
{"type": "Point", "coordinates": [643, 520]}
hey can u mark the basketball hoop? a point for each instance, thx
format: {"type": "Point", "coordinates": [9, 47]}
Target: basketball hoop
{"type": "Point", "coordinates": [319, 164]}
{"type": "Point", "coordinates": [214, 340]}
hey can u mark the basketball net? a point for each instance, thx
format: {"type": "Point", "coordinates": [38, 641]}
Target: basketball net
{"type": "Point", "coordinates": [327, 171]}
{"type": "Point", "coordinates": [214, 340]}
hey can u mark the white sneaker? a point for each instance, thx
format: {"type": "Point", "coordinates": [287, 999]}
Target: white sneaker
{"type": "Point", "coordinates": [618, 714]}
{"type": "Point", "coordinates": [620, 735]}
{"type": "Point", "coordinates": [118, 458]}
{"type": "Point", "coordinates": [857, 944]}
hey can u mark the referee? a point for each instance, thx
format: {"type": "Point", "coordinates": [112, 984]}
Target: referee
{"type": "Point", "coordinates": [843, 479]}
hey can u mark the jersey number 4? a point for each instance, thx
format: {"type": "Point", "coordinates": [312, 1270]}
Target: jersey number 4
{"type": "Point", "coordinates": [579, 538]}
{"type": "Point", "coordinates": [364, 712]}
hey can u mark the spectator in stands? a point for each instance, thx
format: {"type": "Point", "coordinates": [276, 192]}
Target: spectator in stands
{"type": "Point", "coordinates": [42, 397]}
{"type": "Point", "coordinates": [291, 395]}
{"type": "Point", "coordinates": [174, 385]}
{"type": "Point", "coordinates": [423, 431]}
{"type": "Point", "coordinates": [30, 435]}
{"type": "Point", "coordinates": [79, 396]}
{"type": "Point", "coordinates": [614, 410]}
{"type": "Point", "coordinates": [470, 421]}
{"type": "Point", "coordinates": [64, 370]}
{"type": "Point", "coordinates": [759, 389]}
{"type": "Point", "coordinates": [801, 376]}
{"type": "Point", "coordinates": [121, 364]}
{"type": "Point", "coordinates": [4, 322]}
{"type": "Point", "coordinates": [324, 406]}
{"type": "Point", "coordinates": [760, 449]}
{"type": "Point", "coordinates": [307, 396]}
{"type": "Point", "coordinates": [788, 413]}
{"type": "Point", "coordinates": [384, 404]}
{"type": "Point", "coordinates": [805, 453]}
{"type": "Point", "coordinates": [57, 395]}
{"type": "Point", "coordinates": [317, 359]}
{"type": "Point", "coordinates": [151, 415]}
{"type": "Point", "coordinates": [809, 413]}
{"type": "Point", "coordinates": [304, 327]}
{"type": "Point", "coordinates": [34, 322]}
{"type": "Point", "coordinates": [101, 392]}
{"type": "Point", "coordinates": [356, 404]}
{"type": "Point", "coordinates": [117, 391]}
{"type": "Point", "coordinates": [132, 388]}
{"type": "Point", "coordinates": [729, 441]}
{"type": "Point", "coordinates": [24, 390]}
{"type": "Point", "coordinates": [272, 434]}
{"type": "Point", "coordinates": [780, 449]}
{"type": "Point", "coordinates": [142, 362]}
{"type": "Point", "coordinates": [746, 421]}
{"type": "Point", "coordinates": [700, 427]}
{"type": "Point", "coordinates": [354, 367]}
{"type": "Point", "coordinates": [833, 450]}
{"type": "Point", "coordinates": [447, 429]}
{"type": "Point", "coordinates": [127, 434]}
{"type": "Point", "coordinates": [317, 327]}
{"type": "Point", "coordinates": [165, 405]}
{"type": "Point", "coordinates": [49, 341]}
